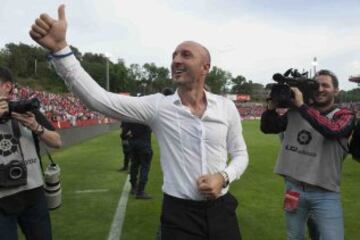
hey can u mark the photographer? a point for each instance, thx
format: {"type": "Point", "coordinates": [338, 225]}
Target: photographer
{"type": "Point", "coordinates": [314, 140]}
{"type": "Point", "coordinates": [22, 200]}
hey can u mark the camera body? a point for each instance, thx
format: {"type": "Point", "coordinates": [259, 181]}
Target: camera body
{"type": "Point", "coordinates": [281, 93]}
{"type": "Point", "coordinates": [13, 174]}
{"type": "Point", "coordinates": [52, 186]}
{"type": "Point", "coordinates": [23, 106]}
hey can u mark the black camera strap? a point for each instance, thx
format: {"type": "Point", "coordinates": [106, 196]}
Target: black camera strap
{"type": "Point", "coordinates": [50, 158]}
{"type": "Point", "coordinates": [17, 134]}
{"type": "Point", "coordinates": [52, 162]}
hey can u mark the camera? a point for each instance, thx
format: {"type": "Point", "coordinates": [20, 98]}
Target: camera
{"type": "Point", "coordinates": [281, 93]}
{"type": "Point", "coordinates": [13, 174]}
{"type": "Point", "coordinates": [52, 186]}
{"type": "Point", "coordinates": [23, 106]}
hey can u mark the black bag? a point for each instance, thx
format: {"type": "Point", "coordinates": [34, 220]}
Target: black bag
{"type": "Point", "coordinates": [354, 145]}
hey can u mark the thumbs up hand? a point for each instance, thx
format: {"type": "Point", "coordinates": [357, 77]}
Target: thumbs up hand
{"type": "Point", "coordinates": [50, 33]}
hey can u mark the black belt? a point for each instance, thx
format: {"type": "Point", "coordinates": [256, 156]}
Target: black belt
{"type": "Point", "coordinates": [196, 203]}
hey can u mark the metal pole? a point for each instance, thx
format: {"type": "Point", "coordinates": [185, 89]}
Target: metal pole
{"type": "Point", "coordinates": [107, 75]}
{"type": "Point", "coordinates": [35, 66]}
{"type": "Point", "coordinates": [314, 64]}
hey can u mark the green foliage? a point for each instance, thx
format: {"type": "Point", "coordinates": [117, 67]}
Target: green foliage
{"type": "Point", "coordinates": [217, 79]}
{"type": "Point", "coordinates": [238, 82]}
{"type": "Point", "coordinates": [349, 96]}
{"type": "Point", "coordinates": [155, 78]}
{"type": "Point", "coordinates": [30, 66]}
{"type": "Point", "coordinates": [240, 85]}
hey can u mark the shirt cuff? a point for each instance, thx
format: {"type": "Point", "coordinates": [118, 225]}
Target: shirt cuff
{"type": "Point", "coordinates": [65, 50]}
{"type": "Point", "coordinates": [65, 64]}
{"type": "Point", "coordinates": [235, 172]}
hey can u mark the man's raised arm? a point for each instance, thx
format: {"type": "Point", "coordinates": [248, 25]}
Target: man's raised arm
{"type": "Point", "coordinates": [51, 34]}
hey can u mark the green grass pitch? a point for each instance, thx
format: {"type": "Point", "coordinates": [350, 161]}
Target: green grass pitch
{"type": "Point", "coordinates": [93, 165]}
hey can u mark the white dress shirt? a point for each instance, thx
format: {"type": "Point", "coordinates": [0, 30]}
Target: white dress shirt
{"type": "Point", "coordinates": [189, 146]}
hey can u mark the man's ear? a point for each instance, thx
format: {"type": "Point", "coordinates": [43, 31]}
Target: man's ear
{"type": "Point", "coordinates": [9, 87]}
{"type": "Point", "coordinates": [6, 87]}
{"type": "Point", "coordinates": [206, 67]}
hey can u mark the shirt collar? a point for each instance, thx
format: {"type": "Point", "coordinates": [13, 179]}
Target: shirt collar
{"type": "Point", "coordinates": [210, 98]}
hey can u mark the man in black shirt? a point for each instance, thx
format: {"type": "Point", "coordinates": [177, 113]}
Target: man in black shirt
{"type": "Point", "coordinates": [141, 154]}
{"type": "Point", "coordinates": [124, 135]}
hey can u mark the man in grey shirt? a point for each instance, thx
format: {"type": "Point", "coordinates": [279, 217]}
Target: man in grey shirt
{"type": "Point", "coordinates": [311, 156]}
{"type": "Point", "coordinates": [196, 130]}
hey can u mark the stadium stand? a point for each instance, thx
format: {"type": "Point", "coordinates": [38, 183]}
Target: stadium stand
{"type": "Point", "coordinates": [64, 111]}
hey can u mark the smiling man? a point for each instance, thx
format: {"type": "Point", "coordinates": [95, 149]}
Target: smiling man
{"type": "Point", "coordinates": [313, 148]}
{"type": "Point", "coordinates": [196, 130]}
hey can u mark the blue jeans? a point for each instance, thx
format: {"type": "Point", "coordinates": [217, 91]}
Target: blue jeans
{"type": "Point", "coordinates": [33, 221]}
{"type": "Point", "coordinates": [324, 207]}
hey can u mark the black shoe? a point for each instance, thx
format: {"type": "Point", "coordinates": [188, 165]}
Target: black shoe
{"type": "Point", "coordinates": [133, 191]}
{"type": "Point", "coordinates": [143, 195]}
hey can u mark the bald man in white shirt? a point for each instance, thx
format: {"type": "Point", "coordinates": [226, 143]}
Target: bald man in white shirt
{"type": "Point", "coordinates": [196, 131]}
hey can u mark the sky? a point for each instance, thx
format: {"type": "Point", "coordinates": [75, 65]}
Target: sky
{"type": "Point", "coordinates": [251, 38]}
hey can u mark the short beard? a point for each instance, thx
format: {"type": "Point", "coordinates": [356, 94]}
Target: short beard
{"type": "Point", "coordinates": [323, 104]}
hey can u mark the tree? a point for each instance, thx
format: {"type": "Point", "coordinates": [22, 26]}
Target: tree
{"type": "Point", "coordinates": [155, 78]}
{"type": "Point", "coordinates": [119, 81]}
{"type": "Point", "coordinates": [217, 79]}
{"type": "Point", "coordinates": [238, 82]}
{"type": "Point", "coordinates": [22, 59]}
{"type": "Point", "coordinates": [135, 78]}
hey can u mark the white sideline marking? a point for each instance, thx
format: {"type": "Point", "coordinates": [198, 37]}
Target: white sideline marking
{"type": "Point", "coordinates": [91, 190]}
{"type": "Point", "coordinates": [117, 224]}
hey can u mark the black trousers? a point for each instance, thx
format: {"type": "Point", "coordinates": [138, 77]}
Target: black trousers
{"type": "Point", "coordinates": [141, 154]}
{"type": "Point", "coordinates": [199, 220]}
{"type": "Point", "coordinates": [127, 153]}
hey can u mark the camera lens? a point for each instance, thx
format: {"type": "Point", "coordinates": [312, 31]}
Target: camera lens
{"type": "Point", "coordinates": [16, 173]}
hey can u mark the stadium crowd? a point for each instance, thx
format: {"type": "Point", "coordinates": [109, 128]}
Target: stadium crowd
{"type": "Point", "coordinates": [58, 108]}
{"type": "Point", "coordinates": [354, 107]}
{"type": "Point", "coordinates": [67, 108]}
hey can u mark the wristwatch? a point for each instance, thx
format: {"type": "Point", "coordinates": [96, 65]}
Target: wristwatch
{"type": "Point", "coordinates": [226, 178]}
{"type": "Point", "coordinates": [40, 130]}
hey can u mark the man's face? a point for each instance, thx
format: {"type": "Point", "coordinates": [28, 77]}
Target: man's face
{"type": "Point", "coordinates": [325, 96]}
{"type": "Point", "coordinates": [188, 64]}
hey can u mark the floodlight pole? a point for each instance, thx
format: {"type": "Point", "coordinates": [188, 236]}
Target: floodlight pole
{"type": "Point", "coordinates": [107, 75]}
{"type": "Point", "coordinates": [314, 63]}
{"type": "Point", "coordinates": [35, 67]}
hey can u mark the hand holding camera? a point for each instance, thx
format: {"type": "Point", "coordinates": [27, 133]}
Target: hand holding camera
{"type": "Point", "coordinates": [27, 119]}
{"type": "Point", "coordinates": [292, 89]}
{"type": "Point", "coordinates": [298, 98]}
{"type": "Point", "coordinates": [4, 106]}
{"type": "Point", "coordinates": [23, 106]}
